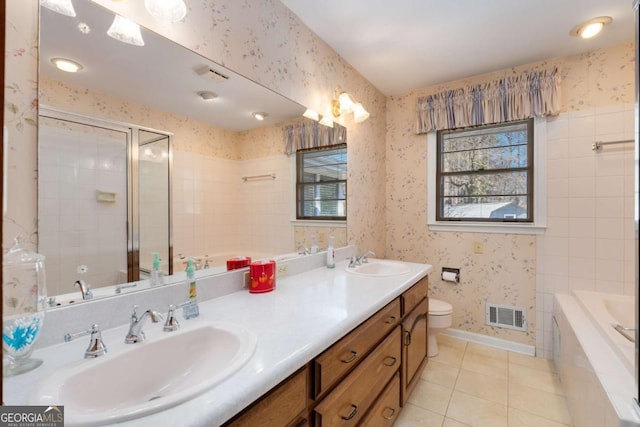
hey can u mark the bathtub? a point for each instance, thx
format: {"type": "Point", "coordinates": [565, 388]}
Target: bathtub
{"type": "Point", "coordinates": [594, 362]}
{"type": "Point", "coordinates": [606, 311]}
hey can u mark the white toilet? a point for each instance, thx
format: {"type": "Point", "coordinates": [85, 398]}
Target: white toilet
{"type": "Point", "coordinates": [440, 315]}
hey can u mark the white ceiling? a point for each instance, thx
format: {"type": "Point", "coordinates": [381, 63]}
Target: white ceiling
{"type": "Point", "coordinates": [401, 45]}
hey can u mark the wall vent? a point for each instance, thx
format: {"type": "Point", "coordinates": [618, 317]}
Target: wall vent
{"type": "Point", "coordinates": [506, 316]}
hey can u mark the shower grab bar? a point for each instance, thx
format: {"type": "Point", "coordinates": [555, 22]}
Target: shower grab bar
{"type": "Point", "coordinates": [597, 145]}
{"type": "Point", "coordinates": [269, 175]}
{"type": "Point", "coordinates": [625, 332]}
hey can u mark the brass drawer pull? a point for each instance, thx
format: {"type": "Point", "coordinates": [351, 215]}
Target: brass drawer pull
{"type": "Point", "coordinates": [392, 360]}
{"type": "Point", "coordinates": [407, 338]}
{"type": "Point", "coordinates": [354, 356]}
{"type": "Point", "coordinates": [390, 320]}
{"type": "Point", "coordinates": [388, 417]}
{"type": "Point", "coordinates": [352, 414]}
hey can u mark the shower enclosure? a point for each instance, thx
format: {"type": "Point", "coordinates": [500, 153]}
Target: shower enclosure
{"type": "Point", "coordinates": [103, 200]}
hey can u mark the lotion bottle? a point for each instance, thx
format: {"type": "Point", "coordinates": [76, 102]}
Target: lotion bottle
{"type": "Point", "coordinates": [331, 256]}
{"type": "Point", "coordinates": [191, 310]}
{"type": "Point", "coordinates": [157, 278]}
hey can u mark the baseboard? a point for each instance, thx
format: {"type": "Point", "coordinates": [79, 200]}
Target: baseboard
{"type": "Point", "coordinates": [515, 347]}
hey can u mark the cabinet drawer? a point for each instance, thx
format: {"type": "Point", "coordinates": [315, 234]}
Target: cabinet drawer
{"type": "Point", "coordinates": [281, 407]}
{"type": "Point", "coordinates": [414, 295]}
{"type": "Point", "coordinates": [387, 407]}
{"type": "Point", "coordinates": [350, 400]}
{"type": "Point", "coordinates": [335, 362]}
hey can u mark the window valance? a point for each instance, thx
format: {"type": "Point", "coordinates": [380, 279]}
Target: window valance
{"type": "Point", "coordinates": [310, 134]}
{"type": "Point", "coordinates": [531, 94]}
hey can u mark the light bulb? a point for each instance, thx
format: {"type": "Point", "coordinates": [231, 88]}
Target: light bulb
{"type": "Point", "coordinates": [166, 10]}
{"type": "Point", "coordinates": [125, 31]}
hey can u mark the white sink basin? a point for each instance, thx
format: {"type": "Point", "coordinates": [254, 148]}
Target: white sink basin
{"type": "Point", "coordinates": [147, 377]}
{"type": "Point", "coordinates": [380, 268]}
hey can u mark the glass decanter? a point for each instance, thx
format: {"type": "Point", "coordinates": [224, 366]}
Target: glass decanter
{"type": "Point", "coordinates": [24, 304]}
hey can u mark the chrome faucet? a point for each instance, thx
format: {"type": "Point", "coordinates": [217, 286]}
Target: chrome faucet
{"type": "Point", "coordinates": [359, 260]}
{"type": "Point", "coordinates": [363, 259]}
{"type": "Point", "coordinates": [96, 345]}
{"type": "Point", "coordinates": [84, 289]}
{"type": "Point", "coordinates": [303, 250]}
{"type": "Point", "coordinates": [135, 333]}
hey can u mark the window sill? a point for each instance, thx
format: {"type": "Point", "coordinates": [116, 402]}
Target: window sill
{"type": "Point", "coordinates": [474, 227]}
{"type": "Point", "coordinates": [318, 223]}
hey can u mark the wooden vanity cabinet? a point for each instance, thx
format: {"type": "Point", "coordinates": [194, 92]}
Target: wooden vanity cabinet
{"type": "Point", "coordinates": [414, 336]}
{"type": "Point", "coordinates": [362, 380]}
{"type": "Point", "coordinates": [285, 405]}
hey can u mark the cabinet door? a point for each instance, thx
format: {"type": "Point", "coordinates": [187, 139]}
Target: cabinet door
{"type": "Point", "coordinates": [414, 347]}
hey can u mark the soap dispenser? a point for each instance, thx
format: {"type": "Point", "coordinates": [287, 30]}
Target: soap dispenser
{"type": "Point", "coordinates": [331, 256]}
{"type": "Point", "coordinates": [314, 244]}
{"type": "Point", "coordinates": [157, 277]}
{"type": "Point", "coordinates": [191, 309]}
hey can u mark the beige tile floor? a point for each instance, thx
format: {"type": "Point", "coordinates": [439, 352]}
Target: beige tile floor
{"type": "Point", "coordinates": [469, 384]}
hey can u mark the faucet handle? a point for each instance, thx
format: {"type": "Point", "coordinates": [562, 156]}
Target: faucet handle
{"type": "Point", "coordinates": [96, 347]}
{"type": "Point", "coordinates": [171, 324]}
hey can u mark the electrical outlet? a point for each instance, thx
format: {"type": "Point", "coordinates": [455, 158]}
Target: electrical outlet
{"type": "Point", "coordinates": [282, 270]}
{"type": "Point", "coordinates": [478, 247]}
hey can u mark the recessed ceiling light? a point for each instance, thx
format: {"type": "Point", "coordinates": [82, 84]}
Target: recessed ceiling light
{"type": "Point", "coordinates": [84, 28]}
{"type": "Point", "coordinates": [207, 95]}
{"type": "Point", "coordinates": [592, 27]}
{"type": "Point", "coordinates": [260, 116]}
{"type": "Point", "coordinates": [66, 65]}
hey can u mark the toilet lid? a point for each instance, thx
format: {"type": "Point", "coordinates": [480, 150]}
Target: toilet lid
{"type": "Point", "coordinates": [438, 307]}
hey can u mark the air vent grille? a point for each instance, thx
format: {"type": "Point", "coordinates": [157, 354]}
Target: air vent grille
{"type": "Point", "coordinates": [211, 74]}
{"type": "Point", "coordinates": [506, 316]}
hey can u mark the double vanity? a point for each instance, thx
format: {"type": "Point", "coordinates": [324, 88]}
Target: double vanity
{"type": "Point", "coordinates": [327, 347]}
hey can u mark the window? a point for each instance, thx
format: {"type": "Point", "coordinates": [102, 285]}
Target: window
{"type": "Point", "coordinates": [321, 183]}
{"type": "Point", "coordinates": [485, 173]}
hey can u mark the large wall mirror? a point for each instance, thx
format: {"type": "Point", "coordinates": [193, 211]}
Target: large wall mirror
{"type": "Point", "coordinates": [153, 148]}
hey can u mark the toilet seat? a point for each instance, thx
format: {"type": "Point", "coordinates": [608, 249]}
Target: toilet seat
{"type": "Point", "coordinates": [439, 308]}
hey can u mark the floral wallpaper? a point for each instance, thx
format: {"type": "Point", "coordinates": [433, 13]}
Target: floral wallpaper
{"type": "Point", "coordinates": [509, 269]}
{"type": "Point", "coordinates": [262, 40]}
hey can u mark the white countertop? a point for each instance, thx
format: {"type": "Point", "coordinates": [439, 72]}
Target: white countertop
{"type": "Point", "coordinates": [302, 317]}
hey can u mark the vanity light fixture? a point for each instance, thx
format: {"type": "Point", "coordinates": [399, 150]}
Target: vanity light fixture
{"type": "Point", "coordinates": [311, 114]}
{"type": "Point", "coordinates": [591, 28]}
{"type": "Point", "coordinates": [207, 95]}
{"type": "Point", "coordinates": [125, 31]}
{"type": "Point", "coordinates": [326, 121]}
{"type": "Point", "coordinates": [343, 103]}
{"type": "Point", "coordinates": [259, 116]}
{"type": "Point", "coordinates": [66, 65]}
{"type": "Point", "coordinates": [166, 10]}
{"type": "Point", "coordinates": [64, 7]}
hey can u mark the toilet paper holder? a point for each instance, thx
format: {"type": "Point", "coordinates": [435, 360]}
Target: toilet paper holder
{"type": "Point", "coordinates": [448, 277]}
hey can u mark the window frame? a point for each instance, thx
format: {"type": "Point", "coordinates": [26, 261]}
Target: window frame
{"type": "Point", "coordinates": [537, 227]}
{"type": "Point", "coordinates": [529, 169]}
{"type": "Point", "coordinates": [299, 186]}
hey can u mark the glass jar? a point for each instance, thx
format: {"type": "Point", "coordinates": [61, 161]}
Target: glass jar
{"type": "Point", "coordinates": [24, 304]}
